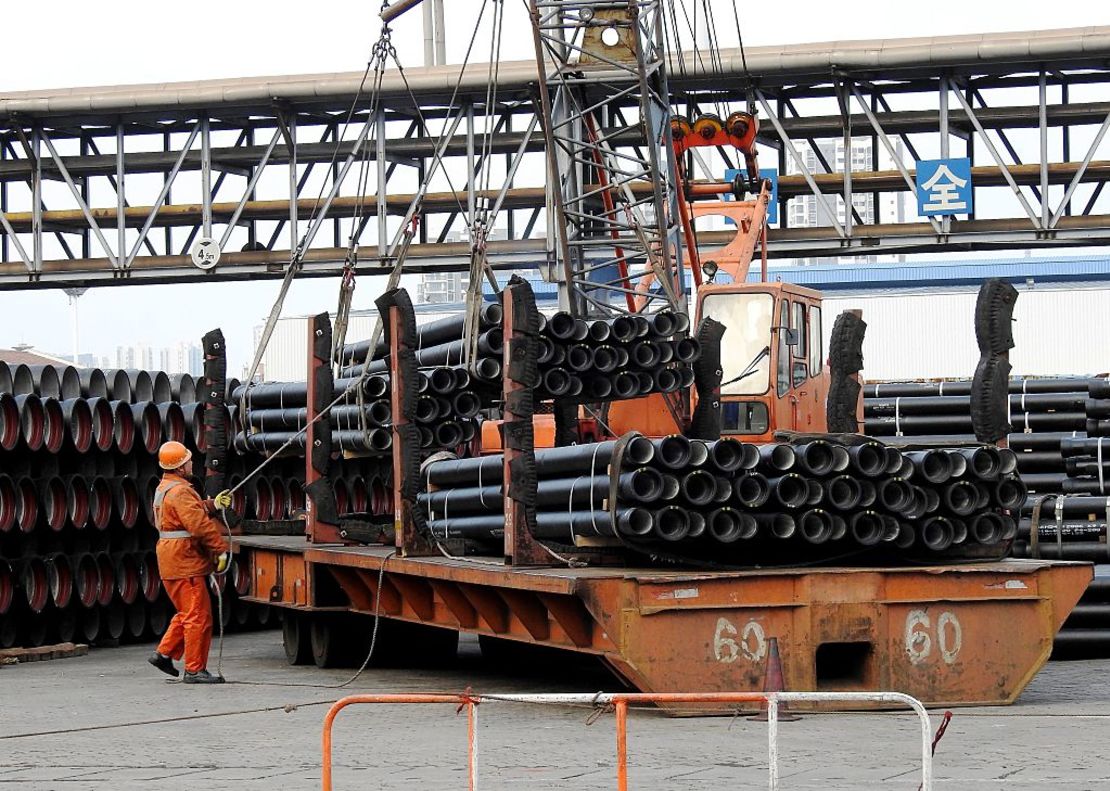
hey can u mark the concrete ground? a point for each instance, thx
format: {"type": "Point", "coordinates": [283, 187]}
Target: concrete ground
{"type": "Point", "coordinates": [109, 720]}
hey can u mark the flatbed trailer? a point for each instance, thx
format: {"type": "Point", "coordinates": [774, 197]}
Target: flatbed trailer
{"type": "Point", "coordinates": [953, 635]}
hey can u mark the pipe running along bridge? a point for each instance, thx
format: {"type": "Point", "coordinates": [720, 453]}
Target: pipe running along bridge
{"type": "Point", "coordinates": [116, 185]}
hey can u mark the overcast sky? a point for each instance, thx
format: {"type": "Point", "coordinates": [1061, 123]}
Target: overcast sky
{"type": "Point", "coordinates": [67, 43]}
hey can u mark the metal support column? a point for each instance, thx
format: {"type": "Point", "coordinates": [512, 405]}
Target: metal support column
{"type": "Point", "coordinates": [383, 178]}
{"type": "Point", "coordinates": [1042, 116]}
{"type": "Point", "coordinates": [121, 196]}
{"type": "Point", "coordinates": [206, 177]}
{"type": "Point", "coordinates": [942, 98]}
{"type": "Point", "coordinates": [36, 201]}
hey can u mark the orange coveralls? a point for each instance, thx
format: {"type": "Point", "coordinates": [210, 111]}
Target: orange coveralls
{"type": "Point", "coordinates": [190, 539]}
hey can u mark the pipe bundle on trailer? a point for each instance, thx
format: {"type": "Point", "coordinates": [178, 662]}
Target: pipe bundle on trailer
{"type": "Point", "coordinates": [615, 358]}
{"type": "Point", "coordinates": [439, 344]}
{"type": "Point", "coordinates": [448, 400]}
{"type": "Point", "coordinates": [738, 504]}
{"type": "Point", "coordinates": [78, 471]}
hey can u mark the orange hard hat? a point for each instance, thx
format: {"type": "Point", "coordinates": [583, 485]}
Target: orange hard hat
{"type": "Point", "coordinates": [172, 455]}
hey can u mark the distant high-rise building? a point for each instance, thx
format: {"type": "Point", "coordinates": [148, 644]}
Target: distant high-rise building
{"type": "Point", "coordinates": [182, 357]}
{"type": "Point", "coordinates": [442, 287]}
{"type": "Point", "coordinates": [805, 211]}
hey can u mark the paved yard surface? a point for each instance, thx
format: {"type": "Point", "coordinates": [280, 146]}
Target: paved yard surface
{"type": "Point", "coordinates": [109, 721]}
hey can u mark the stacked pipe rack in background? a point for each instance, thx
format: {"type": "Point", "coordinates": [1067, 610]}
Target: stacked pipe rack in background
{"type": "Point", "coordinates": [1061, 434]}
{"type": "Point", "coordinates": [78, 470]}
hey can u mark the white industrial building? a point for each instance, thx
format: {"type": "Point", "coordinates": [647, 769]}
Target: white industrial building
{"type": "Point", "coordinates": [920, 317]}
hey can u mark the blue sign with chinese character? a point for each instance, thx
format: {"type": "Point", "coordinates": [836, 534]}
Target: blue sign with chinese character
{"type": "Point", "coordinates": [771, 175]}
{"type": "Point", "coordinates": [944, 187]}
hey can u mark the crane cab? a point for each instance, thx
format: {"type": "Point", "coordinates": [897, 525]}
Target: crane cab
{"type": "Point", "coordinates": [772, 358]}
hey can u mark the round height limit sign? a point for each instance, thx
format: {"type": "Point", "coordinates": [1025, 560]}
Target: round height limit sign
{"type": "Point", "coordinates": [205, 253]}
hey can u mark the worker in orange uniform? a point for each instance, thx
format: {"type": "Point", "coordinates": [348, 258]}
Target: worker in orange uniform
{"type": "Point", "coordinates": [191, 545]}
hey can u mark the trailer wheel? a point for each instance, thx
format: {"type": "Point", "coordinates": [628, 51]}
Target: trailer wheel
{"type": "Point", "coordinates": [324, 640]}
{"type": "Point", "coordinates": [295, 640]}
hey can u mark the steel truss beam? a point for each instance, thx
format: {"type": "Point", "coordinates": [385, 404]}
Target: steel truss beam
{"type": "Point", "coordinates": [278, 138]}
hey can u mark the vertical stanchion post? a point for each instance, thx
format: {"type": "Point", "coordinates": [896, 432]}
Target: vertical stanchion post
{"type": "Point", "coordinates": [621, 711]}
{"type": "Point", "coordinates": [521, 548]}
{"type": "Point", "coordinates": [472, 745]}
{"type": "Point", "coordinates": [397, 313]}
{"type": "Point", "coordinates": [322, 516]}
{"type": "Point", "coordinates": [772, 741]}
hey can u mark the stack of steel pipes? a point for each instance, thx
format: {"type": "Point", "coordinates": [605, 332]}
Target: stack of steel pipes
{"type": "Point", "coordinates": [267, 416]}
{"type": "Point", "coordinates": [276, 491]}
{"type": "Point", "coordinates": [1058, 427]}
{"type": "Point", "coordinates": [1067, 527]}
{"type": "Point", "coordinates": [77, 478]}
{"type": "Point", "coordinates": [439, 344]}
{"type": "Point", "coordinates": [1086, 632]}
{"type": "Point", "coordinates": [743, 504]}
{"type": "Point", "coordinates": [615, 358]}
{"type": "Point", "coordinates": [1050, 407]}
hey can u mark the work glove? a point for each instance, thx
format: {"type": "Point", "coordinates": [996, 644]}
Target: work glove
{"type": "Point", "coordinates": [223, 500]}
{"type": "Point", "coordinates": [222, 561]}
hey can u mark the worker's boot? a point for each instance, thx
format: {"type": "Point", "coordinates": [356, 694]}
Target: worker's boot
{"type": "Point", "coordinates": [163, 663]}
{"type": "Point", "coordinates": [202, 677]}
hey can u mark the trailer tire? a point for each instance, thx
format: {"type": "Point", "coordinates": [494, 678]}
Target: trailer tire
{"type": "Point", "coordinates": [294, 639]}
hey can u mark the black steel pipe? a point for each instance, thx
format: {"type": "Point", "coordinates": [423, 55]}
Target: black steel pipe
{"type": "Point", "coordinates": [447, 434]}
{"type": "Point", "coordinates": [867, 528]}
{"type": "Point", "coordinates": [1089, 446]}
{"type": "Point", "coordinates": [780, 526]}
{"type": "Point", "coordinates": [550, 462]}
{"type": "Point", "coordinates": [954, 424]}
{"type": "Point", "coordinates": [697, 524]}
{"type": "Point", "coordinates": [937, 533]}
{"type": "Point", "coordinates": [843, 492]}
{"type": "Point", "coordinates": [986, 527]}
{"type": "Point", "coordinates": [815, 458]}
{"type": "Point", "coordinates": [53, 424]}
{"type": "Point", "coordinates": [183, 388]}
{"type": "Point", "coordinates": [961, 405]}
{"type": "Point", "coordinates": [380, 440]}
{"type": "Point", "coordinates": [698, 487]}
{"type": "Point", "coordinates": [790, 490]}
{"type": "Point", "coordinates": [47, 383]}
{"type": "Point", "coordinates": [776, 457]}
{"type": "Point", "coordinates": [815, 526]}
{"type": "Point", "coordinates": [932, 465]}
{"type": "Point", "coordinates": [963, 387]}
{"type": "Point", "coordinates": [894, 494]}
{"type": "Point", "coordinates": [643, 485]}
{"type": "Point", "coordinates": [1072, 506]}
{"type": "Point", "coordinates": [727, 525]}
{"type": "Point", "coordinates": [671, 523]}
{"type": "Point", "coordinates": [9, 422]}
{"type": "Point", "coordinates": [730, 455]}
{"type": "Point", "coordinates": [433, 333]}
{"type": "Point", "coordinates": [79, 423]}
{"type": "Point", "coordinates": [490, 344]}
{"type": "Point", "coordinates": [1090, 551]}
{"type": "Point", "coordinates": [625, 385]}
{"type": "Point", "coordinates": [868, 459]}
{"type": "Point", "coordinates": [672, 452]}
{"type": "Point", "coordinates": [961, 498]}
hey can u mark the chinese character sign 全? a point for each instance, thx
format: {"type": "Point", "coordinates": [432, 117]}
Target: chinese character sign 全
{"type": "Point", "coordinates": [944, 187]}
